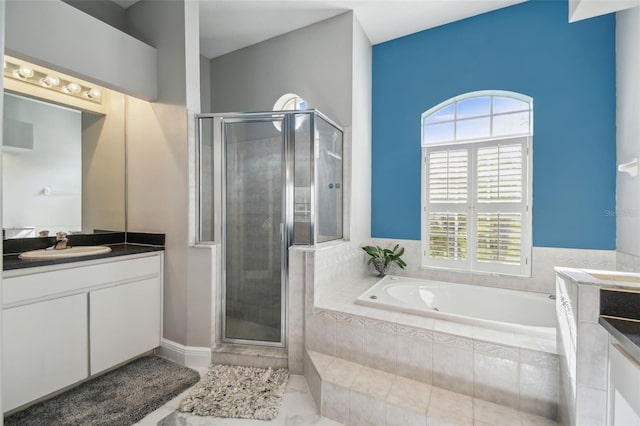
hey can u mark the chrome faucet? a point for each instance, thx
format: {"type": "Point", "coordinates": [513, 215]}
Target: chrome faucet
{"type": "Point", "coordinates": [61, 241]}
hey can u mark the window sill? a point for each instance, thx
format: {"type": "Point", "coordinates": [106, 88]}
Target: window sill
{"type": "Point", "coordinates": [468, 272]}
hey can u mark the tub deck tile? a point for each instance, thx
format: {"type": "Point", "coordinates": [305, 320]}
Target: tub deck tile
{"type": "Point", "coordinates": [376, 397]}
{"type": "Point", "coordinates": [450, 327]}
{"type": "Point", "coordinates": [373, 382]}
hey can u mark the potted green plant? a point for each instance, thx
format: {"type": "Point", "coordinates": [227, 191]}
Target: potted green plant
{"type": "Point", "coordinates": [383, 258]}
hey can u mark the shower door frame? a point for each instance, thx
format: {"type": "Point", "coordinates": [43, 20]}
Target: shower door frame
{"type": "Point", "coordinates": [287, 120]}
{"type": "Point", "coordinates": [286, 218]}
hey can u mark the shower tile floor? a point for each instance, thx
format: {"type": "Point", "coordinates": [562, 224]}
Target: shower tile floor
{"type": "Point", "coordinates": [298, 409]}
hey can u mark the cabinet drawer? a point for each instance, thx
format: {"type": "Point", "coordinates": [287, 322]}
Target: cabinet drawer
{"type": "Point", "coordinates": [34, 286]}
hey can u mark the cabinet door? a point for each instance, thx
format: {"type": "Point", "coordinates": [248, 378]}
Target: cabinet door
{"type": "Point", "coordinates": [124, 322]}
{"type": "Point", "coordinates": [44, 348]}
{"type": "Point", "coordinates": [624, 388]}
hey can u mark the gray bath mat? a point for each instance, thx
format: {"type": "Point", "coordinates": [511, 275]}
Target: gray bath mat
{"type": "Point", "coordinates": [239, 392]}
{"type": "Point", "coordinates": [121, 397]}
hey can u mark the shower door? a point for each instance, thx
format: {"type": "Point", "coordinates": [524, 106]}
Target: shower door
{"type": "Point", "coordinates": [255, 235]}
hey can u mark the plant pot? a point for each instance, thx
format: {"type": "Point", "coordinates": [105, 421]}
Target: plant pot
{"type": "Point", "coordinates": [380, 267]}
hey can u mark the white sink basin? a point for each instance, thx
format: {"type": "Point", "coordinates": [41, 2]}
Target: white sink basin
{"type": "Point", "coordinates": [77, 251]}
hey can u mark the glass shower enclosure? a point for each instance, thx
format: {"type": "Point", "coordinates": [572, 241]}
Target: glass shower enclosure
{"type": "Point", "coordinates": [272, 179]}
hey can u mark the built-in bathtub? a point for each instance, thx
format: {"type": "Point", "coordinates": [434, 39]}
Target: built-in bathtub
{"type": "Point", "coordinates": [506, 367]}
{"type": "Point", "coordinates": [502, 309]}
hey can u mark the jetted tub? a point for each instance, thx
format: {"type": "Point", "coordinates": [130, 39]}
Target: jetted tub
{"type": "Point", "coordinates": [497, 308]}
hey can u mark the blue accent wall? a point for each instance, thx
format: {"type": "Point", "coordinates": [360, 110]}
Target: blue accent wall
{"type": "Point", "coordinates": [530, 48]}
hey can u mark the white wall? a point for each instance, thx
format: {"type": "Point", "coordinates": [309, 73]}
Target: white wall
{"type": "Point", "coordinates": [205, 84]}
{"type": "Point", "coordinates": [103, 166]}
{"type": "Point", "coordinates": [55, 34]}
{"type": "Point", "coordinates": [54, 162]}
{"type": "Point", "coordinates": [360, 206]}
{"type": "Point", "coordinates": [584, 9]}
{"type": "Point", "coordinates": [157, 177]}
{"type": "Point", "coordinates": [2, 14]}
{"type": "Point", "coordinates": [628, 129]}
{"type": "Point", "coordinates": [201, 269]}
{"type": "Point", "coordinates": [104, 10]}
{"type": "Point", "coordinates": [313, 62]}
{"type": "Point", "coordinates": [159, 156]}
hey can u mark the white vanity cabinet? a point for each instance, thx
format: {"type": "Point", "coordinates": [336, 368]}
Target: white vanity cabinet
{"type": "Point", "coordinates": [44, 348]}
{"type": "Point", "coordinates": [124, 321]}
{"type": "Point", "coordinates": [624, 388]}
{"type": "Point", "coordinates": [64, 323]}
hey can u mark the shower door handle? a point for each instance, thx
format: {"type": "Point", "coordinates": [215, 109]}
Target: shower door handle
{"type": "Point", "coordinates": [282, 232]}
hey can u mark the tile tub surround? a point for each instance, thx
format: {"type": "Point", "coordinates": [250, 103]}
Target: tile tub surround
{"type": "Point", "coordinates": [544, 259]}
{"type": "Point", "coordinates": [513, 370]}
{"type": "Point", "coordinates": [627, 262]}
{"type": "Point", "coordinates": [353, 394]}
{"type": "Point", "coordinates": [582, 346]}
{"type": "Point", "coordinates": [456, 357]}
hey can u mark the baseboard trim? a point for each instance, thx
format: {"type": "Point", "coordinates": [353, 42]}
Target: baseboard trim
{"type": "Point", "coordinates": [191, 356]}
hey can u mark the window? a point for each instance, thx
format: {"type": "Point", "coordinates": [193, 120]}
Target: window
{"type": "Point", "coordinates": [476, 183]}
{"type": "Point", "coordinates": [290, 102]}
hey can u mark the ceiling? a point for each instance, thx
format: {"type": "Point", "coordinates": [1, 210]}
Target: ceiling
{"type": "Point", "coordinates": [125, 3]}
{"type": "Point", "coordinates": [228, 25]}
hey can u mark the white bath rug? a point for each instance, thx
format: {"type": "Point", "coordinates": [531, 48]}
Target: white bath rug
{"type": "Point", "coordinates": [239, 392]}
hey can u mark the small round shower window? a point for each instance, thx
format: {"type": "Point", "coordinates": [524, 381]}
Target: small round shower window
{"type": "Point", "coordinates": [289, 102]}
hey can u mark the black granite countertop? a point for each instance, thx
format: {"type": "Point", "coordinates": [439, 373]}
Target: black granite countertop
{"type": "Point", "coordinates": [620, 316]}
{"type": "Point", "coordinates": [12, 261]}
{"type": "Point", "coordinates": [627, 332]}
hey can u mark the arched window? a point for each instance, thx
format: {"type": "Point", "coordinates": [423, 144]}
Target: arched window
{"type": "Point", "coordinates": [290, 102]}
{"type": "Point", "coordinates": [476, 183]}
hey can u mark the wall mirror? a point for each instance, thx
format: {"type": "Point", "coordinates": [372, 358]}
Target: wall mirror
{"type": "Point", "coordinates": [63, 154]}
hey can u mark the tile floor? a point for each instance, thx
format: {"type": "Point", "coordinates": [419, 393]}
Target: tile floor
{"type": "Point", "coordinates": [298, 409]}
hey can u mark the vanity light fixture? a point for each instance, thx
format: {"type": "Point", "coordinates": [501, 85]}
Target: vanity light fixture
{"type": "Point", "coordinates": [41, 77]}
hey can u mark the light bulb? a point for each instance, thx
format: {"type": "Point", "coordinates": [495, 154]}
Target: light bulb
{"type": "Point", "coordinates": [72, 88]}
{"type": "Point", "coordinates": [25, 71]}
{"type": "Point", "coordinates": [92, 94]}
{"type": "Point", "coordinates": [49, 81]}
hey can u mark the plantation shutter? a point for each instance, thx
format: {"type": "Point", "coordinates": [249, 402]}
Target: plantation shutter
{"type": "Point", "coordinates": [448, 174]}
{"type": "Point", "coordinates": [476, 206]}
{"type": "Point", "coordinates": [447, 189]}
{"type": "Point", "coordinates": [499, 174]}
{"type": "Point", "coordinates": [500, 205]}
